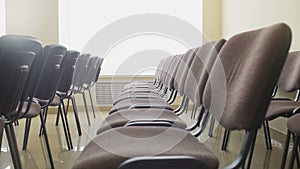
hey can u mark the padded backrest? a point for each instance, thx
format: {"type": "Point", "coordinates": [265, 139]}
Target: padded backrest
{"type": "Point", "coordinates": [198, 72]}
{"type": "Point", "coordinates": [168, 73]}
{"type": "Point", "coordinates": [68, 70]}
{"type": "Point", "coordinates": [80, 72]}
{"type": "Point", "coordinates": [182, 70]}
{"type": "Point", "coordinates": [159, 68]}
{"type": "Point", "coordinates": [26, 44]}
{"type": "Point", "coordinates": [51, 73]}
{"type": "Point", "coordinates": [91, 70]}
{"type": "Point", "coordinates": [244, 75]}
{"type": "Point", "coordinates": [172, 71]}
{"type": "Point", "coordinates": [289, 79]}
{"type": "Point", "coordinates": [98, 69]}
{"type": "Point", "coordinates": [14, 68]}
{"type": "Point", "coordinates": [164, 71]}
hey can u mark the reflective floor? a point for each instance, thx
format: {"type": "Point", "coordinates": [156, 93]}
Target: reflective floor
{"type": "Point", "coordinates": [35, 156]}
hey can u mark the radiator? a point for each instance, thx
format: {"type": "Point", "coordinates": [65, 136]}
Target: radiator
{"type": "Point", "coordinates": [107, 90]}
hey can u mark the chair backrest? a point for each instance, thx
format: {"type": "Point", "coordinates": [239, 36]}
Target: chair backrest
{"type": "Point", "coordinates": [164, 71]}
{"type": "Point", "coordinates": [159, 69]}
{"type": "Point", "coordinates": [198, 72]}
{"type": "Point", "coordinates": [98, 70]}
{"type": "Point", "coordinates": [51, 73]}
{"type": "Point", "coordinates": [68, 71]}
{"type": "Point", "coordinates": [92, 67]}
{"type": "Point", "coordinates": [173, 70]}
{"type": "Point", "coordinates": [182, 70]}
{"type": "Point", "coordinates": [29, 44]}
{"type": "Point", "coordinates": [80, 72]}
{"type": "Point", "coordinates": [250, 65]}
{"type": "Point", "coordinates": [14, 68]}
{"type": "Point", "coordinates": [16, 59]}
{"type": "Point", "coordinates": [289, 79]}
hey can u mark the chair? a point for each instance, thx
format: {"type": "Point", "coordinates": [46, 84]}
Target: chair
{"type": "Point", "coordinates": [293, 128]}
{"type": "Point", "coordinates": [195, 81]}
{"type": "Point", "coordinates": [64, 88]}
{"type": "Point", "coordinates": [288, 82]}
{"type": "Point", "coordinates": [280, 107]}
{"type": "Point", "coordinates": [77, 82]}
{"type": "Point", "coordinates": [243, 70]}
{"type": "Point", "coordinates": [18, 54]}
{"type": "Point", "coordinates": [45, 92]}
{"type": "Point", "coordinates": [92, 67]}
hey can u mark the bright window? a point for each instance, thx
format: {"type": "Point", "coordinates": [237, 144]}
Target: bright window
{"type": "Point", "coordinates": [132, 35]}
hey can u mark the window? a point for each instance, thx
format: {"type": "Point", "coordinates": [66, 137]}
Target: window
{"type": "Point", "coordinates": [132, 35]}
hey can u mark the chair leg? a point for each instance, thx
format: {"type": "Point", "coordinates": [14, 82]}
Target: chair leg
{"type": "Point", "coordinates": [286, 148]}
{"type": "Point", "coordinates": [225, 140]}
{"type": "Point", "coordinates": [1, 138]}
{"type": "Point", "coordinates": [267, 135]}
{"type": "Point", "coordinates": [64, 126]}
{"type": "Point", "coordinates": [45, 113]}
{"type": "Point", "coordinates": [26, 133]}
{"type": "Point", "coordinates": [86, 109]}
{"type": "Point", "coordinates": [251, 151]}
{"type": "Point", "coordinates": [92, 104]}
{"type": "Point", "coordinates": [13, 146]}
{"type": "Point", "coordinates": [57, 118]}
{"type": "Point", "coordinates": [76, 116]}
{"type": "Point", "coordinates": [294, 151]}
{"type": "Point", "coordinates": [67, 124]}
{"type": "Point", "coordinates": [46, 140]}
{"type": "Point", "coordinates": [211, 127]}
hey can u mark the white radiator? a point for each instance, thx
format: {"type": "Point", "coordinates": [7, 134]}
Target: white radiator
{"type": "Point", "coordinates": [107, 90]}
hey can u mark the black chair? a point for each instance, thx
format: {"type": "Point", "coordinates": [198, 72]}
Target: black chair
{"type": "Point", "coordinates": [63, 91]}
{"type": "Point", "coordinates": [45, 92]}
{"type": "Point", "coordinates": [18, 54]}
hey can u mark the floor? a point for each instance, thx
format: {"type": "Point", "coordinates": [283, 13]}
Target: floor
{"type": "Point", "coordinates": [35, 156]}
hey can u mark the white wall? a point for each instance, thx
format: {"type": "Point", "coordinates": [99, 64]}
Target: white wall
{"type": "Point", "coordinates": [242, 15]}
{"type": "Point", "coordinates": [2, 17]}
{"type": "Point", "coordinates": [92, 25]}
{"type": "Point", "coordinates": [33, 18]}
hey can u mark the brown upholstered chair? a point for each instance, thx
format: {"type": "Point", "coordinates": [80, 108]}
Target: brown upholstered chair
{"type": "Point", "coordinates": [289, 81]}
{"type": "Point", "coordinates": [293, 125]}
{"type": "Point", "coordinates": [281, 107]}
{"type": "Point", "coordinates": [195, 82]}
{"type": "Point", "coordinates": [243, 69]}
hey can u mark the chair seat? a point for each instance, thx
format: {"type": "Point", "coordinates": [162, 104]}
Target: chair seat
{"type": "Point", "coordinates": [293, 124]}
{"type": "Point", "coordinates": [55, 101]}
{"type": "Point", "coordinates": [279, 108]}
{"type": "Point", "coordinates": [125, 104]}
{"type": "Point", "coordinates": [107, 150]}
{"type": "Point", "coordinates": [34, 110]}
{"type": "Point", "coordinates": [136, 95]}
{"type": "Point", "coordinates": [120, 118]}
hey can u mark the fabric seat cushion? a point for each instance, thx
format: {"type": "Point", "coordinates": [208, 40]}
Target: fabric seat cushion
{"type": "Point", "coordinates": [279, 108]}
{"type": "Point", "coordinates": [33, 111]}
{"type": "Point", "coordinates": [293, 124]}
{"type": "Point", "coordinates": [107, 150]}
{"type": "Point", "coordinates": [120, 118]}
{"type": "Point", "coordinates": [126, 104]}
